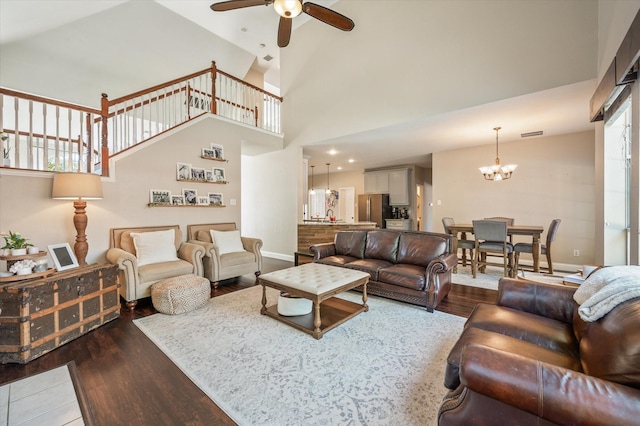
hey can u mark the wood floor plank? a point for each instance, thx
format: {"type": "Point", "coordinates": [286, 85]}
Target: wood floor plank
{"type": "Point", "coordinates": [128, 380]}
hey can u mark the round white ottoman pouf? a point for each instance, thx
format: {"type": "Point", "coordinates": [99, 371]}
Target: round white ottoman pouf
{"type": "Point", "coordinates": [180, 294]}
{"type": "Point", "coordinates": [290, 306]}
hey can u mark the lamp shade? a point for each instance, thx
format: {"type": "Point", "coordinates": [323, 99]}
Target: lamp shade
{"type": "Point", "coordinates": [71, 186]}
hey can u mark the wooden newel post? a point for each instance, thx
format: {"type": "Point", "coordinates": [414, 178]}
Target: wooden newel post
{"type": "Point", "coordinates": [214, 71]}
{"type": "Point", "coordinates": [104, 112]}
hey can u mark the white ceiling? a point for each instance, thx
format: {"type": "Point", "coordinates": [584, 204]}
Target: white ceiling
{"type": "Point", "coordinates": [555, 111]}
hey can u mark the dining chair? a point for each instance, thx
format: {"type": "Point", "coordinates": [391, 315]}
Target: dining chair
{"type": "Point", "coordinates": [510, 222]}
{"type": "Point", "coordinates": [491, 238]}
{"type": "Point", "coordinates": [544, 248]}
{"type": "Point", "coordinates": [463, 243]}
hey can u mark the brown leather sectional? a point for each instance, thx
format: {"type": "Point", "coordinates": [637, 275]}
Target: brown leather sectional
{"type": "Point", "coordinates": [531, 360]}
{"type": "Point", "coordinates": [408, 266]}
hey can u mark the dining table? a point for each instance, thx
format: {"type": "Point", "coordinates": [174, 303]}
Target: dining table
{"type": "Point", "coordinates": [533, 231]}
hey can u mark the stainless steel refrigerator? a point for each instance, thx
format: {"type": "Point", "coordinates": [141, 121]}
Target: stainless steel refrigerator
{"type": "Point", "coordinates": [374, 208]}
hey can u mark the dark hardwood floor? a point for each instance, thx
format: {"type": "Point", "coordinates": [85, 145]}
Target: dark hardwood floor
{"type": "Point", "coordinates": [128, 380]}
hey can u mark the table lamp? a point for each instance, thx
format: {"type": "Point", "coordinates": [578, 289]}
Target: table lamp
{"type": "Point", "coordinates": [78, 187]}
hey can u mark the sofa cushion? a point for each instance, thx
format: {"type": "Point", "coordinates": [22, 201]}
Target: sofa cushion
{"type": "Point", "coordinates": [382, 245]}
{"type": "Point", "coordinates": [350, 243]}
{"type": "Point", "coordinates": [205, 236]}
{"type": "Point", "coordinates": [161, 271]}
{"type": "Point", "coordinates": [420, 248]}
{"type": "Point", "coordinates": [227, 241]}
{"type": "Point", "coordinates": [544, 332]}
{"type": "Point", "coordinates": [154, 247]}
{"type": "Point", "coordinates": [337, 260]}
{"type": "Point", "coordinates": [237, 258]}
{"type": "Point", "coordinates": [610, 347]}
{"type": "Point", "coordinates": [507, 344]}
{"type": "Point", "coordinates": [371, 266]}
{"type": "Point", "coordinates": [409, 276]}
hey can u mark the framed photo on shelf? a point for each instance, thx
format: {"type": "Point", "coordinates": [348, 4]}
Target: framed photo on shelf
{"type": "Point", "coordinates": [197, 173]}
{"type": "Point", "coordinates": [62, 256]}
{"type": "Point", "coordinates": [218, 151]}
{"type": "Point", "coordinates": [208, 153]}
{"type": "Point", "coordinates": [183, 171]}
{"type": "Point", "coordinates": [209, 175]}
{"type": "Point", "coordinates": [190, 197]}
{"type": "Point", "coordinates": [159, 196]}
{"type": "Point", "coordinates": [203, 200]}
{"type": "Point", "coordinates": [218, 175]}
{"type": "Point", "coordinates": [177, 200]}
{"type": "Point", "coordinates": [215, 199]}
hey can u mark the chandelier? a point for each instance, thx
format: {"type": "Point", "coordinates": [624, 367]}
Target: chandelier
{"type": "Point", "coordinates": [497, 171]}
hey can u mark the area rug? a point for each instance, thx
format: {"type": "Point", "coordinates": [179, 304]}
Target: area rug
{"type": "Point", "coordinates": [489, 279]}
{"type": "Point", "coordinates": [382, 367]}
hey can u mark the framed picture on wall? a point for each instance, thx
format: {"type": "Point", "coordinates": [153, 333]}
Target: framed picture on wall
{"type": "Point", "coordinates": [218, 151]}
{"type": "Point", "coordinates": [218, 175]}
{"type": "Point", "coordinates": [159, 196]}
{"type": "Point", "coordinates": [215, 199]}
{"type": "Point", "coordinates": [197, 173]}
{"type": "Point", "coordinates": [209, 175]}
{"type": "Point", "coordinates": [183, 171]}
{"type": "Point", "coordinates": [177, 200]}
{"type": "Point", "coordinates": [208, 153]}
{"type": "Point", "coordinates": [203, 200]}
{"type": "Point", "coordinates": [190, 196]}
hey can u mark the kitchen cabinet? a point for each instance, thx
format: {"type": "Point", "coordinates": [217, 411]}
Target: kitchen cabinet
{"type": "Point", "coordinates": [376, 182]}
{"type": "Point", "coordinates": [399, 187]}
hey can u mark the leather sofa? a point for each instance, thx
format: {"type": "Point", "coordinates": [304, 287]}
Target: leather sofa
{"type": "Point", "coordinates": [408, 266]}
{"type": "Point", "coordinates": [531, 360]}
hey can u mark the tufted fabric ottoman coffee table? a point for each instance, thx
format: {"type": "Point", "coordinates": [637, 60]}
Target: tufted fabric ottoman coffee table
{"type": "Point", "coordinates": [318, 283]}
{"type": "Point", "coordinates": [180, 294]}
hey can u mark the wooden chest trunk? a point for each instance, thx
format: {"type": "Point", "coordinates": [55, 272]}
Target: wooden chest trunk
{"type": "Point", "coordinates": [39, 315]}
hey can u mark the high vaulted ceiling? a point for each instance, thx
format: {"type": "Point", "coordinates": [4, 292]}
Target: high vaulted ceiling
{"type": "Point", "coordinates": [192, 24]}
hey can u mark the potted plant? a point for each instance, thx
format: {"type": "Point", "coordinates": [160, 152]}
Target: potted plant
{"type": "Point", "coordinates": [16, 243]}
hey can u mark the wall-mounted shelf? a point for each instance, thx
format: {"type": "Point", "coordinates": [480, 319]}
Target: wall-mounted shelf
{"type": "Point", "coordinates": [222, 160]}
{"type": "Point", "coordinates": [185, 205]}
{"type": "Point", "coordinates": [202, 181]}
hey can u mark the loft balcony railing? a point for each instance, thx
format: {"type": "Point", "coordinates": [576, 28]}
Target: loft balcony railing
{"type": "Point", "coordinates": [45, 134]}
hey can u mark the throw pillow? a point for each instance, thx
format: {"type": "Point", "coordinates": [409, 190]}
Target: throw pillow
{"type": "Point", "coordinates": [227, 241]}
{"type": "Point", "coordinates": [155, 246]}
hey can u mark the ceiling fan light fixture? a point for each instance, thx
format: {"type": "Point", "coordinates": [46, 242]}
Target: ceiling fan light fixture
{"type": "Point", "coordinates": [288, 8]}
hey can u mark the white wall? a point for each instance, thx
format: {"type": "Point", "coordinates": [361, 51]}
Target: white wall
{"type": "Point", "coordinates": [555, 178]}
{"type": "Point", "coordinates": [45, 221]}
{"type": "Point", "coordinates": [272, 200]}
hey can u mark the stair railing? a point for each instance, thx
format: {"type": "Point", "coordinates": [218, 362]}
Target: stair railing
{"type": "Point", "coordinates": [125, 121]}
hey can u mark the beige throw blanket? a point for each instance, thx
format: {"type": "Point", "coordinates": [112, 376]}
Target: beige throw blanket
{"type": "Point", "coordinates": [605, 289]}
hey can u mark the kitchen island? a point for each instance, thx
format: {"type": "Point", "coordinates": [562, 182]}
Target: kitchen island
{"type": "Point", "coordinates": [310, 233]}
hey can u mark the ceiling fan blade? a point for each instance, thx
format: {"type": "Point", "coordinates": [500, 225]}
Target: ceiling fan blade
{"type": "Point", "coordinates": [328, 16]}
{"type": "Point", "coordinates": [238, 4]}
{"type": "Point", "coordinates": [284, 31]}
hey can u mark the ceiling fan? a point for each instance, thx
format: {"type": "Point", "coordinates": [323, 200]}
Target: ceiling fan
{"type": "Point", "coordinates": [289, 9]}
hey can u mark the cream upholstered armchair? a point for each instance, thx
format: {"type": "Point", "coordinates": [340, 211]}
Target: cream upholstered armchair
{"type": "Point", "coordinates": [227, 254]}
{"type": "Point", "coordinates": [147, 255]}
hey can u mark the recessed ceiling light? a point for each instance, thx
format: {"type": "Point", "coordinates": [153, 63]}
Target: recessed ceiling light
{"type": "Point", "coordinates": [351, 160]}
{"type": "Point", "coordinates": [333, 152]}
{"type": "Point", "coordinates": [339, 167]}
{"type": "Point", "coordinates": [243, 29]}
{"type": "Point", "coordinates": [262, 45]}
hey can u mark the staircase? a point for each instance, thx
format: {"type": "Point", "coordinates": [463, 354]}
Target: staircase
{"type": "Point", "coordinates": [45, 134]}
